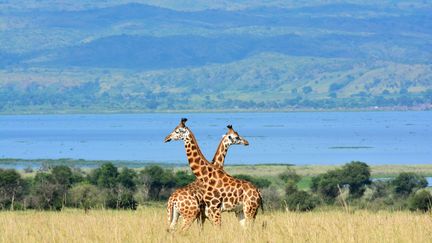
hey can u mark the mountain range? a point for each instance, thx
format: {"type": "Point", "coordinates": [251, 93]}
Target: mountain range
{"type": "Point", "coordinates": [124, 56]}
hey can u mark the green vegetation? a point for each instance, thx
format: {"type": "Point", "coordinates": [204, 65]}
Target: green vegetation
{"type": "Point", "coordinates": [120, 56]}
{"type": "Point", "coordinates": [421, 200]}
{"type": "Point", "coordinates": [350, 186]}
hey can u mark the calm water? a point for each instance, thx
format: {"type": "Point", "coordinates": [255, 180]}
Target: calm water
{"type": "Point", "coordinates": [298, 138]}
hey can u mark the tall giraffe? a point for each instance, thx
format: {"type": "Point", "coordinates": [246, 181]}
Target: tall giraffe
{"type": "Point", "coordinates": [187, 201]}
{"type": "Point", "coordinates": [222, 192]}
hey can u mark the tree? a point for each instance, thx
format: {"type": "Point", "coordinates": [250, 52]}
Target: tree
{"type": "Point", "coordinates": [258, 182]}
{"type": "Point", "coordinates": [289, 175]}
{"type": "Point", "coordinates": [45, 192]}
{"type": "Point", "coordinates": [421, 200]}
{"type": "Point", "coordinates": [407, 182]}
{"type": "Point", "coordinates": [11, 186]}
{"type": "Point", "coordinates": [356, 174]}
{"type": "Point", "coordinates": [127, 177]}
{"type": "Point", "coordinates": [105, 176]}
{"type": "Point", "coordinates": [63, 177]}
{"type": "Point", "coordinates": [155, 178]}
{"type": "Point", "coordinates": [301, 201]}
{"type": "Point", "coordinates": [326, 185]}
{"type": "Point", "coordinates": [85, 196]}
{"type": "Point", "coordinates": [183, 178]}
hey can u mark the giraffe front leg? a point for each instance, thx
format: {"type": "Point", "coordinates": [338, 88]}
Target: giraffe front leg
{"type": "Point", "coordinates": [214, 214]}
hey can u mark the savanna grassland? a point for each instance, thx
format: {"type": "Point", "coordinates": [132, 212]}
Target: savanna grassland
{"type": "Point", "coordinates": [148, 224]}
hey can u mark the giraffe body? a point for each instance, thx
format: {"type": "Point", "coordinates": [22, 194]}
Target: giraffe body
{"type": "Point", "coordinates": [222, 192]}
{"type": "Point", "coordinates": [187, 201]}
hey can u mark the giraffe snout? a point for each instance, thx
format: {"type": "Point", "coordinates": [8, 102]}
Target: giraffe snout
{"type": "Point", "coordinates": [167, 139]}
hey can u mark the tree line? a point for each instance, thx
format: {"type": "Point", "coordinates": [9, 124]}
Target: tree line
{"type": "Point", "coordinates": [122, 188]}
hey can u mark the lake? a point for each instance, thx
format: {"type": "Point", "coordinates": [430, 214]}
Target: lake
{"type": "Point", "coordinates": [293, 137]}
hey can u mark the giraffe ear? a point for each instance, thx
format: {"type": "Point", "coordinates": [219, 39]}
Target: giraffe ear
{"type": "Point", "coordinates": [183, 122]}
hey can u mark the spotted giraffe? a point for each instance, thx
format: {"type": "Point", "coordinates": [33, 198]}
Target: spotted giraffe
{"type": "Point", "coordinates": [187, 201]}
{"type": "Point", "coordinates": [221, 192]}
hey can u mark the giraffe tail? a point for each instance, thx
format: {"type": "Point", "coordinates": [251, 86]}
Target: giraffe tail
{"type": "Point", "coordinates": [170, 210]}
{"type": "Point", "coordinates": [261, 202]}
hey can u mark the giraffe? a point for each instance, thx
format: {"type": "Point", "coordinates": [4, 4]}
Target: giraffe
{"type": "Point", "coordinates": [221, 192]}
{"type": "Point", "coordinates": [187, 201]}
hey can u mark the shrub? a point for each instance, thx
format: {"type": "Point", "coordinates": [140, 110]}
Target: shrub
{"type": "Point", "coordinates": [155, 179]}
{"type": "Point", "coordinates": [421, 200]}
{"type": "Point", "coordinates": [105, 176]}
{"type": "Point", "coordinates": [271, 198]}
{"type": "Point", "coordinates": [46, 193]}
{"type": "Point", "coordinates": [85, 196]}
{"type": "Point", "coordinates": [325, 185]}
{"type": "Point", "coordinates": [407, 182]}
{"type": "Point", "coordinates": [183, 178]}
{"type": "Point", "coordinates": [289, 175]}
{"type": "Point", "coordinates": [257, 181]}
{"type": "Point", "coordinates": [301, 201]}
{"type": "Point", "coordinates": [355, 175]}
{"type": "Point", "coordinates": [11, 188]}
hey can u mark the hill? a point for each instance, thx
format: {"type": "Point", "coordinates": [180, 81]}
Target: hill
{"type": "Point", "coordinates": [120, 56]}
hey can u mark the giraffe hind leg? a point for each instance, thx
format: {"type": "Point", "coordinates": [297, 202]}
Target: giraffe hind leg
{"type": "Point", "coordinates": [187, 222]}
{"type": "Point", "coordinates": [174, 217]}
{"type": "Point", "coordinates": [249, 215]}
{"type": "Point", "coordinates": [201, 217]}
{"type": "Point", "coordinates": [241, 217]}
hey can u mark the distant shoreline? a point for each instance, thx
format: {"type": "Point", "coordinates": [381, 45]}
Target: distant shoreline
{"type": "Point", "coordinates": [259, 169]}
{"type": "Point", "coordinates": [117, 112]}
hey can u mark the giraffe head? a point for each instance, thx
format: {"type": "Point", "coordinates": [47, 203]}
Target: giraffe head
{"type": "Point", "coordinates": [232, 137]}
{"type": "Point", "coordinates": [181, 132]}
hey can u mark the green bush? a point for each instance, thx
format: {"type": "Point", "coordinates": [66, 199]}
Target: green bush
{"type": "Point", "coordinates": [356, 175]}
{"type": "Point", "coordinates": [407, 182]}
{"type": "Point", "coordinates": [257, 181]}
{"type": "Point", "coordinates": [301, 201]}
{"type": "Point", "coordinates": [183, 178]}
{"type": "Point", "coordinates": [289, 175]}
{"type": "Point", "coordinates": [11, 188]}
{"type": "Point", "coordinates": [421, 200]}
{"type": "Point", "coordinates": [85, 196]}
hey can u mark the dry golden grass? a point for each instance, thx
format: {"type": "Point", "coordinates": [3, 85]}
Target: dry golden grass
{"type": "Point", "coordinates": [149, 224]}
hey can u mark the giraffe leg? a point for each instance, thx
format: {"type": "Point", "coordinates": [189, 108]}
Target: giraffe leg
{"type": "Point", "coordinates": [189, 214]}
{"type": "Point", "coordinates": [173, 217]}
{"type": "Point", "coordinates": [187, 222]}
{"type": "Point", "coordinates": [214, 214]}
{"type": "Point", "coordinates": [241, 217]}
{"type": "Point", "coordinates": [249, 214]}
{"type": "Point", "coordinates": [201, 216]}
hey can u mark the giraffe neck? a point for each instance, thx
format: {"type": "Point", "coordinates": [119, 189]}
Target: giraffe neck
{"type": "Point", "coordinates": [197, 162]}
{"type": "Point", "coordinates": [219, 157]}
